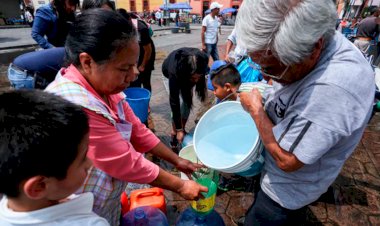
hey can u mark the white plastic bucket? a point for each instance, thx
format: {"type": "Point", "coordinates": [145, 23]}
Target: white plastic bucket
{"type": "Point", "coordinates": [189, 154]}
{"type": "Point", "coordinates": [226, 139]}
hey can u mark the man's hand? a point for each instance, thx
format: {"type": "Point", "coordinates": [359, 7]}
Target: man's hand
{"type": "Point", "coordinates": [227, 58]}
{"type": "Point", "coordinates": [191, 190]}
{"type": "Point", "coordinates": [251, 101]}
{"type": "Point", "coordinates": [204, 49]}
{"type": "Point", "coordinates": [187, 167]}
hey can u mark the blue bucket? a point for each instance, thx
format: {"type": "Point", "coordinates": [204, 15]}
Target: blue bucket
{"type": "Point", "coordinates": [138, 100]}
{"type": "Point", "coordinates": [226, 139]}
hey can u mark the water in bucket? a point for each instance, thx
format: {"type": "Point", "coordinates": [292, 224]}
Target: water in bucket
{"type": "Point", "coordinates": [226, 139]}
{"type": "Point", "coordinates": [138, 99]}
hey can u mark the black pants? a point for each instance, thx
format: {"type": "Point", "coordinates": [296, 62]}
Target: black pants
{"type": "Point", "coordinates": [264, 211]}
{"type": "Point", "coordinates": [144, 80]}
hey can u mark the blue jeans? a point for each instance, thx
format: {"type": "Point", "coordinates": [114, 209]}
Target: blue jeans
{"type": "Point", "coordinates": [264, 211]}
{"type": "Point", "coordinates": [212, 50]}
{"type": "Point", "coordinates": [20, 79]}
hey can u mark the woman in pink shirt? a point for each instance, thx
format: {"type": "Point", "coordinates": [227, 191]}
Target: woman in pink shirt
{"type": "Point", "coordinates": [103, 50]}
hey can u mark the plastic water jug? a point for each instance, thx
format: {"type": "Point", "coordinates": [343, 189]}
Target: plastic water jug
{"type": "Point", "coordinates": [148, 197]}
{"type": "Point", "coordinates": [189, 217]}
{"type": "Point", "coordinates": [145, 216]}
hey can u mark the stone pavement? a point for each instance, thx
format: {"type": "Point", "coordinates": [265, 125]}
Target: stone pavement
{"type": "Point", "coordinates": [353, 199]}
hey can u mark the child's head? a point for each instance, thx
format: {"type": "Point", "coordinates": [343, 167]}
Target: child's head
{"type": "Point", "coordinates": [225, 79]}
{"type": "Point", "coordinates": [43, 145]}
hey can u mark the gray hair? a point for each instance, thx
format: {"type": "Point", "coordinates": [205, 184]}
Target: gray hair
{"type": "Point", "coordinates": [288, 28]}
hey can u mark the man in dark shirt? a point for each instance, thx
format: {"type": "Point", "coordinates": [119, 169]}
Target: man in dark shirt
{"type": "Point", "coordinates": [368, 30]}
{"type": "Point", "coordinates": [147, 56]}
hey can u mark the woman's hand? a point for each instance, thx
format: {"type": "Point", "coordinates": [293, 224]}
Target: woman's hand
{"type": "Point", "coordinates": [251, 101]}
{"type": "Point", "coordinates": [187, 167]}
{"type": "Point", "coordinates": [191, 190]}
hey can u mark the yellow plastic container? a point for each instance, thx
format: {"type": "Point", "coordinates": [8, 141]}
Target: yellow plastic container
{"type": "Point", "coordinates": [206, 205]}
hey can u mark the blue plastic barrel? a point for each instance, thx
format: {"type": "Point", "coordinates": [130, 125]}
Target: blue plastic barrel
{"type": "Point", "coordinates": [138, 99]}
{"type": "Point", "coordinates": [189, 217]}
{"type": "Point", "coordinates": [145, 216]}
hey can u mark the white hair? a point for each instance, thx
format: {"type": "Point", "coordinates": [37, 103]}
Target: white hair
{"type": "Point", "coordinates": [288, 28]}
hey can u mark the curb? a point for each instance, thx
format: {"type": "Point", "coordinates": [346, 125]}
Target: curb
{"type": "Point", "coordinates": [14, 26]}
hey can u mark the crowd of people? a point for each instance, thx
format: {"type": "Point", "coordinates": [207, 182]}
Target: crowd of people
{"type": "Point", "coordinates": [80, 135]}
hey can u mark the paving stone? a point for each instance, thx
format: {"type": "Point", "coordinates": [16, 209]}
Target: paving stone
{"type": "Point", "coordinates": [228, 221]}
{"type": "Point", "coordinates": [374, 220]}
{"type": "Point", "coordinates": [371, 169]}
{"type": "Point", "coordinates": [368, 181]}
{"type": "Point", "coordinates": [239, 205]}
{"type": "Point", "coordinates": [174, 209]}
{"type": "Point", "coordinates": [346, 215]}
{"type": "Point", "coordinates": [221, 202]}
{"type": "Point", "coordinates": [352, 166]}
{"type": "Point", "coordinates": [172, 196]}
{"type": "Point", "coordinates": [319, 211]}
{"type": "Point", "coordinates": [361, 154]}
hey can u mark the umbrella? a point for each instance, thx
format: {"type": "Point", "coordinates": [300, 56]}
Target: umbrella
{"type": "Point", "coordinates": [179, 5]}
{"type": "Point", "coordinates": [228, 10]}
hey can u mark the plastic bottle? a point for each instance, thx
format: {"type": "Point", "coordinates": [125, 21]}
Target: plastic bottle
{"type": "Point", "coordinates": [201, 212]}
{"type": "Point", "coordinates": [190, 217]}
{"type": "Point", "coordinates": [145, 216]}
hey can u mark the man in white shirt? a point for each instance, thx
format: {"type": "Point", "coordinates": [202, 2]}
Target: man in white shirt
{"type": "Point", "coordinates": [158, 17]}
{"type": "Point", "coordinates": [209, 33]}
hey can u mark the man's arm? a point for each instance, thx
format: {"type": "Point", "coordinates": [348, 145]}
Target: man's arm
{"type": "Point", "coordinates": [252, 102]}
{"type": "Point", "coordinates": [203, 38]}
{"type": "Point", "coordinates": [147, 55]}
{"type": "Point", "coordinates": [146, 42]}
{"type": "Point", "coordinates": [229, 45]}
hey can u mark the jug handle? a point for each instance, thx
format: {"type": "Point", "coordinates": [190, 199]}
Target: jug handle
{"type": "Point", "coordinates": [149, 193]}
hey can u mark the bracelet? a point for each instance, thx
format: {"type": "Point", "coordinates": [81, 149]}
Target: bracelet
{"type": "Point", "coordinates": [179, 130]}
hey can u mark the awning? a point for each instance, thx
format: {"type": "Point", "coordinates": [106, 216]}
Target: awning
{"type": "Point", "coordinates": [228, 10]}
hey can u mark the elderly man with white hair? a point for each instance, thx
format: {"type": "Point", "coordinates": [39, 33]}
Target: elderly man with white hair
{"type": "Point", "coordinates": [314, 117]}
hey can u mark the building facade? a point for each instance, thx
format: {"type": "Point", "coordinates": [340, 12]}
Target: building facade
{"type": "Point", "coordinates": [199, 6]}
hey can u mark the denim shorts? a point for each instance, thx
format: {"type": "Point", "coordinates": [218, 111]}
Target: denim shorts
{"type": "Point", "coordinates": [20, 79]}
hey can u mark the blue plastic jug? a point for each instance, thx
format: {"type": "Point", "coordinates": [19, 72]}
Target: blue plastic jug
{"type": "Point", "coordinates": [145, 216]}
{"type": "Point", "coordinates": [190, 217]}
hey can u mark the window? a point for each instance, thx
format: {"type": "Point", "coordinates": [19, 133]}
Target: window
{"type": "Point", "coordinates": [145, 5]}
{"type": "Point", "coordinates": [132, 5]}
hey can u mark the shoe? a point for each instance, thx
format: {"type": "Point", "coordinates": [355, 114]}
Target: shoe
{"type": "Point", "coordinates": [175, 146]}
